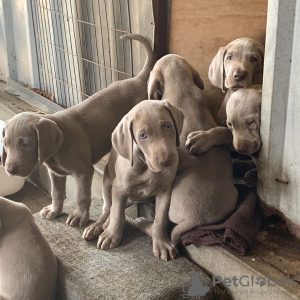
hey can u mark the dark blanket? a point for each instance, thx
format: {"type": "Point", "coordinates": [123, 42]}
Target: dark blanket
{"type": "Point", "coordinates": [238, 232]}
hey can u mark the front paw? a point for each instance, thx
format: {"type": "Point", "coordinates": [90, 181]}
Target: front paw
{"type": "Point", "coordinates": [92, 231]}
{"type": "Point", "coordinates": [164, 249]}
{"type": "Point", "coordinates": [109, 239]}
{"type": "Point", "coordinates": [198, 142]}
{"type": "Point", "coordinates": [78, 217]}
{"type": "Point", "coordinates": [49, 212]}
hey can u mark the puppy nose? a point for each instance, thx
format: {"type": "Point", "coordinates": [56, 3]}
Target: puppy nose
{"type": "Point", "coordinates": [239, 75]}
{"type": "Point", "coordinates": [166, 161]}
{"type": "Point", "coordinates": [12, 169]}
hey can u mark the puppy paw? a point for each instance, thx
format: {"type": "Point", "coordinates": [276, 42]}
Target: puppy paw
{"type": "Point", "coordinates": [109, 240]}
{"type": "Point", "coordinates": [78, 218]}
{"type": "Point", "coordinates": [92, 231]}
{"type": "Point", "coordinates": [198, 142]}
{"type": "Point", "coordinates": [164, 249]}
{"type": "Point", "coordinates": [49, 212]}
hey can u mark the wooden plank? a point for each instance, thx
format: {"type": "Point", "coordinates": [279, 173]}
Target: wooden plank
{"type": "Point", "coordinates": [198, 28]}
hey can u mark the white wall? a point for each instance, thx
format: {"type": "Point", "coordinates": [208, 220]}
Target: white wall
{"type": "Point", "coordinates": [279, 169]}
{"type": "Point", "coordinates": [17, 46]}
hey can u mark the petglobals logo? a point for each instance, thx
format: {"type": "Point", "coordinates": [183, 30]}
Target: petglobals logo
{"type": "Point", "coordinates": [248, 281]}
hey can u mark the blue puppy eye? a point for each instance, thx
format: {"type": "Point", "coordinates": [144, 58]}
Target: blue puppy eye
{"type": "Point", "coordinates": [25, 145]}
{"type": "Point", "coordinates": [168, 127]}
{"type": "Point", "coordinates": [143, 135]}
{"type": "Point", "coordinates": [229, 57]}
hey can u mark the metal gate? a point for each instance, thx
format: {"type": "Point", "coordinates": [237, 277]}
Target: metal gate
{"type": "Point", "coordinates": [78, 44]}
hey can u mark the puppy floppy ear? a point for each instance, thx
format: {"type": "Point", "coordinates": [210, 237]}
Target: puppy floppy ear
{"type": "Point", "coordinates": [196, 77]}
{"type": "Point", "coordinates": [4, 154]}
{"type": "Point", "coordinates": [261, 52]}
{"type": "Point", "coordinates": [155, 85]}
{"type": "Point", "coordinates": [122, 139]}
{"type": "Point", "coordinates": [216, 69]}
{"type": "Point", "coordinates": [177, 117]}
{"type": "Point", "coordinates": [50, 138]}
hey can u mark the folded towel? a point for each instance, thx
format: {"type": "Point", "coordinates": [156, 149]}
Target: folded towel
{"type": "Point", "coordinates": [238, 232]}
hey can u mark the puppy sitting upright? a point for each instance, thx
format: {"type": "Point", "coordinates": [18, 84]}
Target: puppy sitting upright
{"type": "Point", "coordinates": [237, 65]}
{"type": "Point", "coordinates": [71, 141]}
{"type": "Point", "coordinates": [142, 165]}
{"type": "Point", "coordinates": [28, 267]}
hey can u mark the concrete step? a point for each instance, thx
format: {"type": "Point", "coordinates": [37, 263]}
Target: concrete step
{"type": "Point", "coordinates": [128, 272]}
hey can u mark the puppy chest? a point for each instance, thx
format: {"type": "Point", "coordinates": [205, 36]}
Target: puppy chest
{"type": "Point", "coordinates": [143, 190]}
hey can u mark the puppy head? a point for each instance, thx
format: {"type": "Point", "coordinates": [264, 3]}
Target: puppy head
{"type": "Point", "coordinates": [237, 65]}
{"type": "Point", "coordinates": [28, 138]}
{"type": "Point", "coordinates": [172, 66]}
{"type": "Point", "coordinates": [243, 119]}
{"type": "Point", "coordinates": [154, 128]}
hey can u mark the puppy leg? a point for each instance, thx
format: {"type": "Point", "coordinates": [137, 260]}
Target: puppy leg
{"type": "Point", "coordinates": [201, 141]}
{"type": "Point", "coordinates": [58, 194]}
{"type": "Point", "coordinates": [112, 235]}
{"type": "Point", "coordinates": [144, 225]}
{"type": "Point", "coordinates": [163, 248]}
{"type": "Point", "coordinates": [95, 229]}
{"type": "Point", "coordinates": [84, 185]}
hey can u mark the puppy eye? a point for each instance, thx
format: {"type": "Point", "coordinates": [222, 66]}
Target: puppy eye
{"type": "Point", "coordinates": [143, 135]}
{"type": "Point", "coordinates": [229, 57]}
{"type": "Point", "coordinates": [250, 122]}
{"type": "Point", "coordinates": [229, 124]}
{"type": "Point", "coordinates": [168, 127]}
{"type": "Point", "coordinates": [253, 59]}
{"type": "Point", "coordinates": [25, 145]}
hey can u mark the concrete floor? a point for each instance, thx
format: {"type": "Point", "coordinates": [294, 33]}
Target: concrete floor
{"type": "Point", "coordinates": [31, 196]}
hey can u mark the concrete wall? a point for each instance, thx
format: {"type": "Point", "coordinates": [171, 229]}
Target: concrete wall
{"type": "Point", "coordinates": [17, 46]}
{"type": "Point", "coordinates": [279, 170]}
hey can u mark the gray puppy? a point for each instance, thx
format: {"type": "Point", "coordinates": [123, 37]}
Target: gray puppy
{"type": "Point", "coordinates": [28, 268]}
{"type": "Point", "coordinates": [71, 141]}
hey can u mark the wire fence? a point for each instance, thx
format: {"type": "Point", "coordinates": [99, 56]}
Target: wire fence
{"type": "Point", "coordinates": [78, 46]}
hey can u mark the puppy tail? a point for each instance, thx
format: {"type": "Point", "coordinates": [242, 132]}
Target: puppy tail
{"type": "Point", "coordinates": [180, 229]}
{"type": "Point", "coordinates": [149, 63]}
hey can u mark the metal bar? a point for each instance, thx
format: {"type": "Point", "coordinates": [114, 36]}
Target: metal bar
{"type": "Point", "coordinates": [46, 53]}
{"type": "Point", "coordinates": [90, 61]}
{"type": "Point", "coordinates": [65, 101]}
{"type": "Point", "coordinates": [77, 51]}
{"type": "Point", "coordinates": [95, 51]}
{"type": "Point", "coordinates": [65, 83]}
{"type": "Point", "coordinates": [101, 56]}
{"type": "Point", "coordinates": [70, 59]}
{"type": "Point", "coordinates": [38, 49]}
{"type": "Point", "coordinates": [81, 21]}
{"type": "Point", "coordinates": [67, 59]}
{"type": "Point", "coordinates": [62, 93]}
{"type": "Point", "coordinates": [129, 24]}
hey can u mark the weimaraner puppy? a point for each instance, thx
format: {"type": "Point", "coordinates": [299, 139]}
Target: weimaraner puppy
{"type": "Point", "coordinates": [142, 165]}
{"type": "Point", "coordinates": [238, 65]}
{"type": "Point", "coordinates": [243, 121]}
{"type": "Point", "coordinates": [203, 190]}
{"type": "Point", "coordinates": [71, 141]}
{"type": "Point", "coordinates": [28, 268]}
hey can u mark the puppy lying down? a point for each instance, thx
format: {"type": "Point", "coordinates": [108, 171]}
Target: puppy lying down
{"type": "Point", "coordinates": [142, 166]}
{"type": "Point", "coordinates": [28, 268]}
